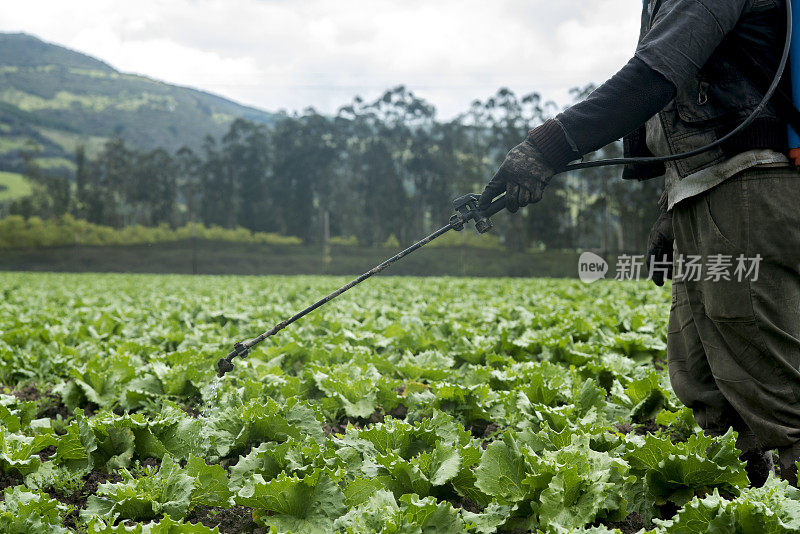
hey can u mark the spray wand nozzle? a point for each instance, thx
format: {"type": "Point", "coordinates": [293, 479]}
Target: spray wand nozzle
{"type": "Point", "coordinates": [224, 365]}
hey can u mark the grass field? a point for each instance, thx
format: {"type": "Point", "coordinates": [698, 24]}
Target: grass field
{"type": "Point", "coordinates": [409, 405]}
{"type": "Point", "coordinates": [12, 144]}
{"type": "Point", "coordinates": [69, 142]}
{"type": "Point", "coordinates": [55, 163]}
{"type": "Point", "coordinates": [13, 186]}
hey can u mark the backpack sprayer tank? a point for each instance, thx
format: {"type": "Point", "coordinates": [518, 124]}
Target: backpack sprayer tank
{"type": "Point", "coordinates": [794, 65]}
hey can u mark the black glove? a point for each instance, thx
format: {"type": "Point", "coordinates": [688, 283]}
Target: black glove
{"type": "Point", "coordinates": [523, 176]}
{"type": "Point", "coordinates": [659, 247]}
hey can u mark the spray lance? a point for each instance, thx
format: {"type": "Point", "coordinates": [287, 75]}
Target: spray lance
{"type": "Point", "coordinates": [466, 207]}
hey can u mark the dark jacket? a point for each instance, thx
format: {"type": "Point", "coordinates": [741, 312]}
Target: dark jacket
{"type": "Point", "coordinates": [721, 56]}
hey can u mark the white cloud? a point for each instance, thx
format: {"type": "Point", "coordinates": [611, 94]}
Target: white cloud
{"type": "Point", "coordinates": [292, 54]}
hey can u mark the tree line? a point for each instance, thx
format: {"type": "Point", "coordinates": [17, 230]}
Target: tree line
{"type": "Point", "coordinates": [374, 170]}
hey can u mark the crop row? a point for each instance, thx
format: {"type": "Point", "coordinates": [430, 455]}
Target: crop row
{"type": "Point", "coordinates": [436, 405]}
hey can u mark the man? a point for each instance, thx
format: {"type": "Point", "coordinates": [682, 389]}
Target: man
{"type": "Point", "coordinates": [700, 68]}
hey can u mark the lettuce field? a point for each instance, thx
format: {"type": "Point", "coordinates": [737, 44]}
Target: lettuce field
{"type": "Point", "coordinates": [406, 406]}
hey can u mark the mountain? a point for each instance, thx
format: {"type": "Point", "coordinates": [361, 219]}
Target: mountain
{"type": "Point", "coordinates": [54, 99]}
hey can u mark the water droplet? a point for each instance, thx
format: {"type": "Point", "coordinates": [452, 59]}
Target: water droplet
{"type": "Point", "coordinates": [212, 397]}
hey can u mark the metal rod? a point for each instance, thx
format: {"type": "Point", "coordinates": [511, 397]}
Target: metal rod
{"type": "Point", "coordinates": [241, 349]}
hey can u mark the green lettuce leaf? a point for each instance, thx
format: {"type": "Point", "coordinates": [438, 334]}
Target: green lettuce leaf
{"type": "Point", "coordinates": [373, 514]}
{"type": "Point", "coordinates": [352, 386]}
{"type": "Point", "coordinates": [167, 491]}
{"type": "Point", "coordinates": [429, 516]}
{"type": "Point", "coordinates": [502, 471]}
{"type": "Point", "coordinates": [265, 461]}
{"type": "Point", "coordinates": [210, 484]}
{"type": "Point", "coordinates": [678, 472]}
{"type": "Point", "coordinates": [16, 414]}
{"type": "Point", "coordinates": [18, 452]}
{"type": "Point", "coordinates": [100, 380]}
{"type": "Point", "coordinates": [771, 509]}
{"type": "Point", "coordinates": [361, 490]}
{"type": "Point", "coordinates": [256, 422]}
{"type": "Point", "coordinates": [441, 465]}
{"type": "Point", "coordinates": [26, 512]}
{"type": "Point", "coordinates": [75, 447]}
{"type": "Point", "coordinates": [493, 516]}
{"type": "Point", "coordinates": [173, 432]}
{"type": "Point", "coordinates": [165, 526]}
{"type": "Point", "coordinates": [586, 486]}
{"type": "Point", "coordinates": [680, 422]}
{"type": "Point", "coordinates": [401, 476]}
{"type": "Point", "coordinates": [290, 504]}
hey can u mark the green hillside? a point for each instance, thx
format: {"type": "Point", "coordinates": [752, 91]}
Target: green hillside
{"type": "Point", "coordinates": [13, 186]}
{"type": "Point", "coordinates": [53, 98]}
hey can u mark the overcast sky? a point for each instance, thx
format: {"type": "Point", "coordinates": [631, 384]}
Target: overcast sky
{"type": "Point", "coordinates": [290, 54]}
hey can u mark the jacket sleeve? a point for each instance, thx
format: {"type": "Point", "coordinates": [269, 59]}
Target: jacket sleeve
{"type": "Point", "coordinates": [614, 109]}
{"type": "Point", "coordinates": [684, 35]}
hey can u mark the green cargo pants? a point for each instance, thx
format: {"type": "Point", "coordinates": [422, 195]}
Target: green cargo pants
{"type": "Point", "coordinates": [734, 346]}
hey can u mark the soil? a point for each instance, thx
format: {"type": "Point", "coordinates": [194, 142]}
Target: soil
{"type": "Point", "coordinates": [51, 405]}
{"type": "Point", "coordinates": [28, 393]}
{"type": "Point", "coordinates": [151, 462]}
{"type": "Point", "coordinates": [511, 527]}
{"type": "Point", "coordinates": [625, 428]}
{"type": "Point", "coordinates": [483, 430]}
{"type": "Point", "coordinates": [230, 461]}
{"type": "Point", "coordinates": [478, 428]}
{"type": "Point", "coordinates": [56, 409]}
{"type": "Point", "coordinates": [490, 431]}
{"type": "Point", "coordinates": [47, 452]}
{"type": "Point", "coordinates": [334, 428]}
{"type": "Point", "coordinates": [192, 411]}
{"type": "Point", "coordinates": [95, 478]}
{"type": "Point", "coordinates": [650, 427]}
{"type": "Point", "coordinates": [470, 506]}
{"type": "Point", "coordinates": [399, 412]}
{"type": "Point", "coordinates": [465, 503]}
{"type": "Point", "coordinates": [8, 480]}
{"type": "Point", "coordinates": [78, 499]}
{"type": "Point", "coordinates": [340, 426]}
{"type": "Point", "coordinates": [231, 521]}
{"type": "Point", "coordinates": [631, 524]}
{"type": "Point", "coordinates": [668, 510]}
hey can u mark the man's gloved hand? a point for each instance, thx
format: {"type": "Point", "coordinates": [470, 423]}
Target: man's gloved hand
{"type": "Point", "coordinates": [659, 248]}
{"type": "Point", "coordinates": [523, 176]}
